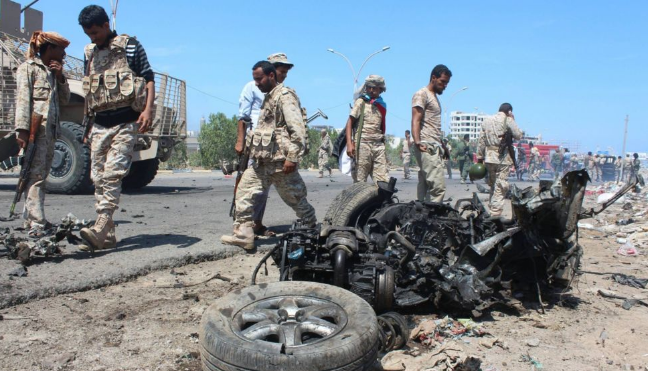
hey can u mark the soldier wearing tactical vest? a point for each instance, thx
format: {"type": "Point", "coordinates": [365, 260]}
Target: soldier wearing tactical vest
{"type": "Point", "coordinates": [276, 146]}
{"type": "Point", "coordinates": [120, 90]}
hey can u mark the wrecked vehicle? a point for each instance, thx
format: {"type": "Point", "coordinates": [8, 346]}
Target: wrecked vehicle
{"type": "Point", "coordinates": [393, 256]}
{"type": "Point", "coordinates": [399, 255]}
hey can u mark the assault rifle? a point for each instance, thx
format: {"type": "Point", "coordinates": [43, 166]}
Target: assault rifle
{"type": "Point", "coordinates": [242, 165]}
{"type": "Point", "coordinates": [506, 144]}
{"type": "Point", "coordinates": [28, 157]}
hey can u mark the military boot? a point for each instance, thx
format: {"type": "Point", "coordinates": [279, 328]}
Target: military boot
{"type": "Point", "coordinates": [110, 243]}
{"type": "Point", "coordinates": [96, 236]}
{"type": "Point", "coordinates": [243, 236]}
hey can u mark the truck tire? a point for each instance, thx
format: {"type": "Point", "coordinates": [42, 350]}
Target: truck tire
{"type": "Point", "coordinates": [329, 328]}
{"type": "Point", "coordinates": [70, 172]}
{"type": "Point", "coordinates": [353, 204]}
{"type": "Point", "coordinates": [141, 174]}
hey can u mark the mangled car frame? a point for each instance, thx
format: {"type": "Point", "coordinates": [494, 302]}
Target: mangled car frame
{"type": "Point", "coordinates": [398, 255]}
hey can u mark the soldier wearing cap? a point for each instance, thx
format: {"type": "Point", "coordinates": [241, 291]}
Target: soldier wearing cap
{"type": "Point", "coordinates": [41, 87]}
{"type": "Point", "coordinates": [368, 119]}
{"type": "Point", "coordinates": [324, 153]}
{"type": "Point", "coordinates": [406, 155]}
{"type": "Point", "coordinates": [276, 146]}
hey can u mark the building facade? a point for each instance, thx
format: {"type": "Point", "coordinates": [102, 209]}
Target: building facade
{"type": "Point", "coordinates": [462, 123]}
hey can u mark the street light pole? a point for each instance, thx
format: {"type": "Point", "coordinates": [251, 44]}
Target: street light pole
{"type": "Point", "coordinates": [450, 101]}
{"type": "Point", "coordinates": [356, 75]}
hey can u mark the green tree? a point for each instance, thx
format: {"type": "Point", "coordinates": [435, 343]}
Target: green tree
{"type": "Point", "coordinates": [393, 152]}
{"type": "Point", "coordinates": [217, 139]}
{"type": "Point", "coordinates": [178, 158]}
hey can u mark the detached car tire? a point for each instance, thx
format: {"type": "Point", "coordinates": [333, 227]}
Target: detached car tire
{"type": "Point", "coordinates": [289, 326]}
{"type": "Point", "coordinates": [348, 206]}
{"type": "Point", "coordinates": [70, 171]}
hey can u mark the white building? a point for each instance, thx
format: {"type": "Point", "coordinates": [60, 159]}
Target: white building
{"type": "Point", "coordinates": [462, 123]}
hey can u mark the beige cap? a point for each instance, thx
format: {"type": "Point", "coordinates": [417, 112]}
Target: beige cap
{"type": "Point", "coordinates": [279, 58]}
{"type": "Point", "coordinates": [376, 80]}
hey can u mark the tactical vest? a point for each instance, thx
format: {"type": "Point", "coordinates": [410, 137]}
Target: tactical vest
{"type": "Point", "coordinates": [271, 140]}
{"type": "Point", "coordinates": [109, 82]}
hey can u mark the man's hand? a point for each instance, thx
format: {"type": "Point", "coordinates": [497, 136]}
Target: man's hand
{"type": "Point", "coordinates": [351, 151]}
{"type": "Point", "coordinates": [289, 167]}
{"type": "Point", "coordinates": [144, 121]}
{"type": "Point", "coordinates": [238, 148]}
{"type": "Point", "coordinates": [422, 147]}
{"type": "Point", "coordinates": [22, 138]}
{"type": "Point", "coordinates": [57, 68]}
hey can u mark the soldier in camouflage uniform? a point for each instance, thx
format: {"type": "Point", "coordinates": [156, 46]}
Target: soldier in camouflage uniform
{"type": "Point", "coordinates": [429, 149]}
{"type": "Point", "coordinates": [323, 154]}
{"type": "Point", "coordinates": [277, 146]}
{"type": "Point", "coordinates": [498, 166]}
{"type": "Point", "coordinates": [464, 157]}
{"type": "Point", "coordinates": [370, 158]}
{"type": "Point", "coordinates": [406, 155]}
{"type": "Point", "coordinates": [120, 91]}
{"type": "Point", "coordinates": [41, 87]}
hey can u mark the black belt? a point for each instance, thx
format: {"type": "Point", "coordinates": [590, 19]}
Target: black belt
{"type": "Point", "coordinates": [116, 117]}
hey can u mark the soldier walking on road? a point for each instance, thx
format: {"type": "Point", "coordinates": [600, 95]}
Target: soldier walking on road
{"type": "Point", "coordinates": [368, 119]}
{"type": "Point", "coordinates": [429, 149]}
{"type": "Point", "coordinates": [627, 166]}
{"type": "Point", "coordinates": [521, 162]}
{"type": "Point", "coordinates": [324, 153]}
{"type": "Point", "coordinates": [448, 161]}
{"type": "Point", "coordinates": [406, 155]}
{"type": "Point", "coordinates": [41, 87]}
{"type": "Point", "coordinates": [120, 90]}
{"type": "Point", "coordinates": [464, 157]}
{"type": "Point", "coordinates": [534, 162]}
{"type": "Point", "coordinates": [498, 165]}
{"type": "Point", "coordinates": [636, 165]}
{"type": "Point", "coordinates": [276, 146]}
{"type": "Point", "coordinates": [618, 165]}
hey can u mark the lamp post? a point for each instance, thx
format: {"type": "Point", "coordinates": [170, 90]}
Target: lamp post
{"type": "Point", "coordinates": [449, 102]}
{"type": "Point", "coordinates": [353, 72]}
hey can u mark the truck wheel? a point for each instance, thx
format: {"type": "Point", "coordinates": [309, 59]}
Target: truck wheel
{"type": "Point", "coordinates": [70, 172]}
{"type": "Point", "coordinates": [141, 174]}
{"type": "Point", "coordinates": [354, 205]}
{"type": "Point", "coordinates": [289, 326]}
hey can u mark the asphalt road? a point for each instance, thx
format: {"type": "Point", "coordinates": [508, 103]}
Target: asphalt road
{"type": "Point", "coordinates": [176, 220]}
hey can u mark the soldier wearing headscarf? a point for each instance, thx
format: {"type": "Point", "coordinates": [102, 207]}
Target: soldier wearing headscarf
{"type": "Point", "coordinates": [367, 119]}
{"type": "Point", "coordinates": [41, 88]}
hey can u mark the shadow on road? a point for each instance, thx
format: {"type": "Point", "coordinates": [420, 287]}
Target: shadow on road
{"type": "Point", "coordinates": [156, 190]}
{"type": "Point", "coordinates": [152, 240]}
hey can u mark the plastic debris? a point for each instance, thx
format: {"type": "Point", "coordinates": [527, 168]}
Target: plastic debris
{"type": "Point", "coordinates": [628, 249]}
{"type": "Point", "coordinates": [433, 332]}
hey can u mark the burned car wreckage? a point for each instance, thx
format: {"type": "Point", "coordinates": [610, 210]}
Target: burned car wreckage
{"type": "Point", "coordinates": [398, 255]}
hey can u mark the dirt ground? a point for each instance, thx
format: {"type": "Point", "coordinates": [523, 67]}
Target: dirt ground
{"type": "Point", "coordinates": [147, 324]}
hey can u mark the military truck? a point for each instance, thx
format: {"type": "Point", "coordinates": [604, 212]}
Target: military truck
{"type": "Point", "coordinates": [70, 172]}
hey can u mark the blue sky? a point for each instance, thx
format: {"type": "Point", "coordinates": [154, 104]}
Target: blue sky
{"type": "Point", "coordinates": [571, 69]}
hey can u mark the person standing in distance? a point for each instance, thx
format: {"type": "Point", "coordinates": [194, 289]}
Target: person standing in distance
{"type": "Point", "coordinates": [406, 155]}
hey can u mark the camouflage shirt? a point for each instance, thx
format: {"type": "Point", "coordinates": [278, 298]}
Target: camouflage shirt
{"type": "Point", "coordinates": [326, 144]}
{"type": "Point", "coordinates": [37, 87]}
{"type": "Point", "coordinates": [492, 130]}
{"type": "Point", "coordinates": [281, 112]}
{"type": "Point", "coordinates": [371, 128]}
{"type": "Point", "coordinates": [431, 122]}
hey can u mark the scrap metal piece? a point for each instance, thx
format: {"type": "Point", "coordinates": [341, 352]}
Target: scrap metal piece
{"type": "Point", "coordinates": [488, 244]}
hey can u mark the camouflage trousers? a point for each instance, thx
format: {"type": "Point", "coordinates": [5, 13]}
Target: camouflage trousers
{"type": "Point", "coordinates": [112, 152]}
{"type": "Point", "coordinates": [431, 182]}
{"type": "Point", "coordinates": [407, 158]}
{"type": "Point", "coordinates": [464, 168]}
{"type": "Point", "coordinates": [257, 179]}
{"type": "Point", "coordinates": [372, 160]}
{"type": "Point", "coordinates": [322, 161]}
{"type": "Point", "coordinates": [34, 211]}
{"type": "Point", "coordinates": [498, 181]}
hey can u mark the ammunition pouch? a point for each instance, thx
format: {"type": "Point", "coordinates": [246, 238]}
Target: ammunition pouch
{"type": "Point", "coordinates": [262, 143]}
{"type": "Point", "coordinates": [114, 89]}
